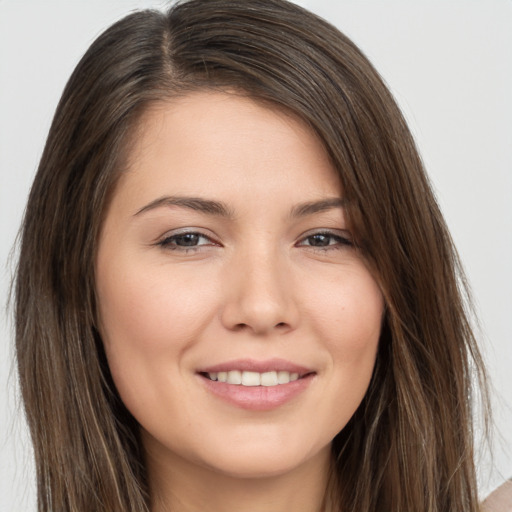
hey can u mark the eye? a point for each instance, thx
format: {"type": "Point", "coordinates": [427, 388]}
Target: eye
{"type": "Point", "coordinates": [185, 241]}
{"type": "Point", "coordinates": [326, 240]}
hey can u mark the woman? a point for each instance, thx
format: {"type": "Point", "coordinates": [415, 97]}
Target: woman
{"type": "Point", "coordinates": [235, 287]}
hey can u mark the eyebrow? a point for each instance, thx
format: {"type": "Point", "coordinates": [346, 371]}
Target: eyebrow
{"type": "Point", "coordinates": [198, 204]}
{"type": "Point", "coordinates": [217, 208]}
{"type": "Point", "coordinates": [312, 207]}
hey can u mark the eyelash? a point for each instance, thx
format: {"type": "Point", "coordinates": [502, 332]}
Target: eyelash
{"type": "Point", "coordinates": [340, 242]}
{"type": "Point", "coordinates": [169, 242]}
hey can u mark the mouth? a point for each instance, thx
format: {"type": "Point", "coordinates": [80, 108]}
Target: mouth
{"type": "Point", "coordinates": [251, 378]}
{"type": "Point", "coordinates": [257, 385]}
{"type": "Point", "coordinates": [253, 373]}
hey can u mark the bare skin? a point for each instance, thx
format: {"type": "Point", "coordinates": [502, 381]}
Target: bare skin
{"type": "Point", "coordinates": [196, 489]}
{"type": "Point", "coordinates": [225, 255]}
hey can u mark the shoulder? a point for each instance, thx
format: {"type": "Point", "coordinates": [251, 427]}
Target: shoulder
{"type": "Point", "coordinates": [500, 500]}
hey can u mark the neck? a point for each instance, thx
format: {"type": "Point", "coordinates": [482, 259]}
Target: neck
{"type": "Point", "coordinates": [181, 486]}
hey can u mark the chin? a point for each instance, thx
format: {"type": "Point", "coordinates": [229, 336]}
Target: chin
{"type": "Point", "coordinates": [255, 468]}
{"type": "Point", "coordinates": [258, 461]}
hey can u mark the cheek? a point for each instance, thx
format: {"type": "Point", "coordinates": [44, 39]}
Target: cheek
{"type": "Point", "coordinates": [358, 330]}
{"type": "Point", "coordinates": [348, 320]}
{"type": "Point", "coordinates": [146, 326]}
{"type": "Point", "coordinates": [144, 311]}
{"type": "Point", "coordinates": [348, 310]}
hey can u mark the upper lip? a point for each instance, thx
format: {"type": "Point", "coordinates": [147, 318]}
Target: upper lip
{"type": "Point", "coordinates": [252, 365]}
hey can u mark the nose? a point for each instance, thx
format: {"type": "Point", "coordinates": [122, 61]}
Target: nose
{"type": "Point", "coordinates": [260, 296]}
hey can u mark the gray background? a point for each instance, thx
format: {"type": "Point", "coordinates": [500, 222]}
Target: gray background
{"type": "Point", "coordinates": [449, 64]}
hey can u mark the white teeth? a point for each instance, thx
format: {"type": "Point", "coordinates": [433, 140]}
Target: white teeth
{"type": "Point", "coordinates": [283, 377]}
{"type": "Point", "coordinates": [234, 377]}
{"type": "Point", "coordinates": [251, 379]}
{"type": "Point", "coordinates": [238, 377]}
{"type": "Point", "coordinates": [269, 379]}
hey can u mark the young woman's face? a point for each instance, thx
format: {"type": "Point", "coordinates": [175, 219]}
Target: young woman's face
{"type": "Point", "coordinates": [225, 255]}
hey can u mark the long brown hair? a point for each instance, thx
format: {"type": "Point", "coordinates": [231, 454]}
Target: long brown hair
{"type": "Point", "coordinates": [409, 446]}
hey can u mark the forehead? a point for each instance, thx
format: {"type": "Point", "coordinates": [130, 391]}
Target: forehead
{"type": "Point", "coordinates": [211, 142]}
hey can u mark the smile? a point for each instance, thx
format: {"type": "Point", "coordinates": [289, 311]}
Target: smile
{"type": "Point", "coordinates": [248, 378]}
{"type": "Point", "coordinates": [257, 385]}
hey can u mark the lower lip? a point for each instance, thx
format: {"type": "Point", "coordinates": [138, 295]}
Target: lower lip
{"type": "Point", "coordinates": [257, 398]}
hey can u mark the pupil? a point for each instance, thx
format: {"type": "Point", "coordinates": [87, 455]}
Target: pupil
{"type": "Point", "coordinates": [187, 240]}
{"type": "Point", "coordinates": [319, 240]}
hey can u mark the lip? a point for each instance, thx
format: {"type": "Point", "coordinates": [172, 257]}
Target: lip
{"type": "Point", "coordinates": [257, 398]}
{"type": "Point", "coordinates": [252, 365]}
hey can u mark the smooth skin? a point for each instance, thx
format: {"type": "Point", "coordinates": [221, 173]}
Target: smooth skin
{"type": "Point", "coordinates": [225, 239]}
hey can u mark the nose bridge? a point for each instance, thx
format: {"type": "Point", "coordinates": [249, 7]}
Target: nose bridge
{"type": "Point", "coordinates": [260, 296]}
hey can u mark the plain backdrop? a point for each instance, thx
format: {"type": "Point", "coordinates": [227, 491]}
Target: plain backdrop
{"type": "Point", "coordinates": [448, 63]}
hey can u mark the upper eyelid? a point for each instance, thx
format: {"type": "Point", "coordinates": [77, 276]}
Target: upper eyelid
{"type": "Point", "coordinates": [186, 231]}
{"type": "Point", "coordinates": [344, 233]}
{"type": "Point", "coordinates": [335, 232]}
